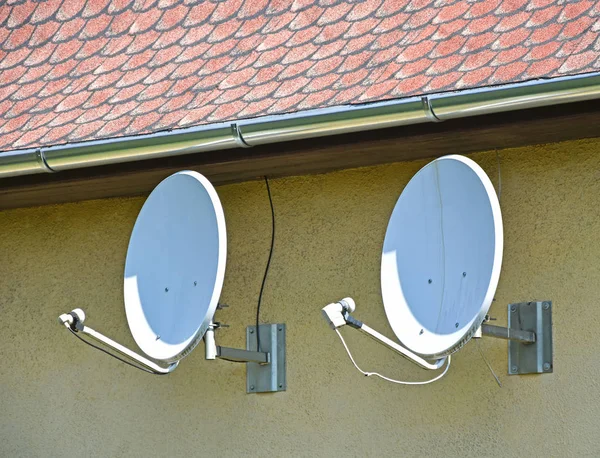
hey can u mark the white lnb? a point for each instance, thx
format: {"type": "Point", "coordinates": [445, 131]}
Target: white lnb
{"type": "Point", "coordinates": [334, 313]}
{"type": "Point", "coordinates": [80, 314]}
{"type": "Point", "coordinates": [70, 318]}
{"type": "Point", "coordinates": [65, 318]}
{"type": "Point", "coordinates": [348, 304]}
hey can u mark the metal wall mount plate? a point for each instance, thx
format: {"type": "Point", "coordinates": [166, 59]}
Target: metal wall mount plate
{"type": "Point", "coordinates": [531, 358]}
{"type": "Point", "coordinates": [266, 378]}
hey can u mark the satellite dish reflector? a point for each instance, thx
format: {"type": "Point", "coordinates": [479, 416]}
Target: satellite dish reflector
{"type": "Point", "coordinates": [175, 266]}
{"type": "Point", "coordinates": [441, 256]}
{"type": "Point", "coordinates": [173, 279]}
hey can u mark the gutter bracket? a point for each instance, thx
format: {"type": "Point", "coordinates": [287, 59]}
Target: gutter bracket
{"type": "Point", "coordinates": [39, 153]}
{"type": "Point", "coordinates": [237, 136]}
{"type": "Point", "coordinates": [428, 109]}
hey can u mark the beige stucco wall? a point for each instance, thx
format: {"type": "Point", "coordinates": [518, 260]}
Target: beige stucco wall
{"type": "Point", "coordinates": [61, 398]}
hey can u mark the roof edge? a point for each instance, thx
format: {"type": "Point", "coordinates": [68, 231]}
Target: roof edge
{"type": "Point", "coordinates": [302, 125]}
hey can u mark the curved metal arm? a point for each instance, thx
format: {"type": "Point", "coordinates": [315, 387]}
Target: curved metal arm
{"type": "Point", "coordinates": [383, 340]}
{"type": "Point", "coordinates": [74, 322]}
{"type": "Point", "coordinates": [338, 314]}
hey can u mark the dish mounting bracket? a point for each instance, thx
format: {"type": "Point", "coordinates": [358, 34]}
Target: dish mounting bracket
{"type": "Point", "coordinates": [529, 336]}
{"type": "Point", "coordinates": [266, 378]}
{"type": "Point", "coordinates": [265, 369]}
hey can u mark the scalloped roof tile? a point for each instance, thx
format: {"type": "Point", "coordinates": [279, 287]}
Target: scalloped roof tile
{"type": "Point", "coordinates": [75, 70]}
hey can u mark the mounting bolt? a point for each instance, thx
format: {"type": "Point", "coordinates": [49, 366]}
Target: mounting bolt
{"type": "Point", "coordinates": [280, 329]}
{"type": "Point", "coordinates": [514, 369]}
{"type": "Point", "coordinates": [251, 387]}
{"type": "Point", "coordinates": [195, 283]}
{"type": "Point", "coordinates": [251, 331]}
{"type": "Point", "coordinates": [464, 274]}
{"type": "Point", "coordinates": [546, 366]}
{"type": "Point", "coordinates": [281, 385]}
{"type": "Point", "coordinates": [166, 290]}
{"type": "Point", "coordinates": [456, 325]}
{"type": "Point", "coordinates": [546, 305]}
{"type": "Point", "coordinates": [513, 308]}
{"type": "Point", "coordinates": [429, 281]}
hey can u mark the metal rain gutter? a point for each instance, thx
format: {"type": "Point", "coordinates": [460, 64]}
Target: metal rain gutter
{"type": "Point", "coordinates": [302, 125]}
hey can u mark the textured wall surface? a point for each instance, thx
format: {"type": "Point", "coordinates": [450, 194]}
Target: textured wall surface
{"type": "Point", "coordinates": [61, 398]}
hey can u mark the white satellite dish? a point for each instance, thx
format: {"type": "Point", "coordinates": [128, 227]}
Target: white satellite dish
{"type": "Point", "coordinates": [175, 266]}
{"type": "Point", "coordinates": [439, 272]}
{"type": "Point", "coordinates": [174, 274]}
{"type": "Point", "coordinates": [441, 257]}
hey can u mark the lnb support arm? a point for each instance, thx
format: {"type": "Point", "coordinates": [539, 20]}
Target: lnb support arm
{"type": "Point", "coordinates": [337, 315]}
{"type": "Point", "coordinates": [73, 321]}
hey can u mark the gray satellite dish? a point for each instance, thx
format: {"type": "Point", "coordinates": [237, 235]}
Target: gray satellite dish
{"type": "Point", "coordinates": [175, 266]}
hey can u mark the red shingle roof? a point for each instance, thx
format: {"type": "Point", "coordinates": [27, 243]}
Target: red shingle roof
{"type": "Point", "coordinates": [74, 70]}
